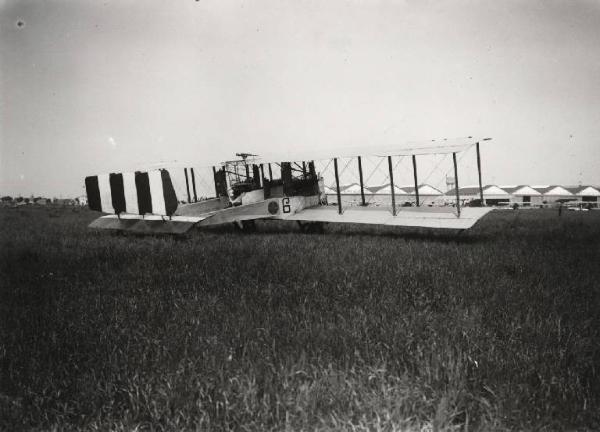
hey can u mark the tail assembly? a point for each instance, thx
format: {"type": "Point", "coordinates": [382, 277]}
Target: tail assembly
{"type": "Point", "coordinates": [142, 202]}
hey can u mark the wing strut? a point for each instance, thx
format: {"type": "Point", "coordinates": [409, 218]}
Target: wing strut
{"type": "Point", "coordinates": [337, 185]}
{"type": "Point", "coordinates": [479, 172]}
{"type": "Point", "coordinates": [392, 185]}
{"type": "Point", "coordinates": [456, 184]}
{"type": "Point", "coordinates": [194, 184]}
{"type": "Point", "coordinates": [215, 181]}
{"type": "Point", "coordinates": [360, 175]}
{"type": "Point", "coordinates": [414, 158]}
{"type": "Point", "coordinates": [187, 186]}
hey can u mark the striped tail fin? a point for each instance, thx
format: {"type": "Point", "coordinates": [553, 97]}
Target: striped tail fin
{"type": "Point", "coordinates": [140, 193]}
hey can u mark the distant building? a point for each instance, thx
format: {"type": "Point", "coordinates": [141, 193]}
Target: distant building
{"type": "Point", "coordinates": [555, 194]}
{"type": "Point", "coordinates": [589, 194]}
{"type": "Point", "coordinates": [351, 189]}
{"type": "Point", "coordinates": [492, 195]}
{"type": "Point", "coordinates": [524, 195]}
{"type": "Point", "coordinates": [376, 188]}
{"type": "Point", "coordinates": [387, 190]}
{"type": "Point", "coordinates": [428, 195]}
{"type": "Point", "coordinates": [350, 193]}
{"type": "Point", "coordinates": [496, 196]}
{"type": "Point", "coordinates": [382, 195]}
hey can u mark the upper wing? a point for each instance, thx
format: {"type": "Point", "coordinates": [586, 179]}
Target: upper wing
{"type": "Point", "coordinates": [443, 146]}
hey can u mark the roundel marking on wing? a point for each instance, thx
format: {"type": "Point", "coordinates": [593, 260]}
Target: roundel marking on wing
{"type": "Point", "coordinates": [273, 207]}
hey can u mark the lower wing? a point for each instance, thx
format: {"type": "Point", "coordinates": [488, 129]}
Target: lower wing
{"type": "Point", "coordinates": [425, 217]}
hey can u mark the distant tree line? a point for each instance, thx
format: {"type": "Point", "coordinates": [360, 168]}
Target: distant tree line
{"type": "Point", "coordinates": [7, 199]}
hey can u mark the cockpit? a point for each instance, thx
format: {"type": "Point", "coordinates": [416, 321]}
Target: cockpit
{"type": "Point", "coordinates": [247, 180]}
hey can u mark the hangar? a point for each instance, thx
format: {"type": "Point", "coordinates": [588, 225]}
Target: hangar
{"type": "Point", "coordinates": [588, 194]}
{"type": "Point", "coordinates": [554, 194]}
{"type": "Point", "coordinates": [492, 195]}
{"type": "Point", "coordinates": [428, 195]}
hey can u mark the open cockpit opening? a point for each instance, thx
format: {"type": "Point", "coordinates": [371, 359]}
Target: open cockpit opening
{"type": "Point", "coordinates": [243, 181]}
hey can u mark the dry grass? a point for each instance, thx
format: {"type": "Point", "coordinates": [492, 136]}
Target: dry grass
{"type": "Point", "coordinates": [357, 328]}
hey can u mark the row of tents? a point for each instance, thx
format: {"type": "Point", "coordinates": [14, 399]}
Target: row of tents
{"type": "Point", "coordinates": [523, 195]}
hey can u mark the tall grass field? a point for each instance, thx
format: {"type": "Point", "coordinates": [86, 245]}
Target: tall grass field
{"type": "Point", "coordinates": [357, 328]}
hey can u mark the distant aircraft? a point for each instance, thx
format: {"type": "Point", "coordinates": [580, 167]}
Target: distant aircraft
{"type": "Point", "coordinates": [146, 201]}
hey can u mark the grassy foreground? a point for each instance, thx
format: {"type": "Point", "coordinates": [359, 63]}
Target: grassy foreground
{"type": "Point", "coordinates": [357, 328]}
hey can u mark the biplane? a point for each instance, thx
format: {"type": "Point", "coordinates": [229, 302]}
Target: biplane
{"type": "Point", "coordinates": [277, 187]}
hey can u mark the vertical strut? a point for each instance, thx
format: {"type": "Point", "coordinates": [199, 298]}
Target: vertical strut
{"type": "Point", "coordinates": [360, 175]}
{"type": "Point", "coordinates": [456, 184]}
{"type": "Point", "coordinates": [256, 176]}
{"type": "Point", "coordinates": [187, 185]}
{"type": "Point", "coordinates": [270, 173]}
{"type": "Point", "coordinates": [194, 184]}
{"type": "Point", "coordinates": [262, 175]}
{"type": "Point", "coordinates": [215, 177]}
{"type": "Point", "coordinates": [392, 185]}
{"type": "Point", "coordinates": [479, 173]}
{"type": "Point", "coordinates": [414, 158]}
{"type": "Point", "coordinates": [337, 185]}
{"type": "Point", "coordinates": [311, 169]}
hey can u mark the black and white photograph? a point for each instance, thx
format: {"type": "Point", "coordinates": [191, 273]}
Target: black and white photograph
{"type": "Point", "coordinates": [300, 215]}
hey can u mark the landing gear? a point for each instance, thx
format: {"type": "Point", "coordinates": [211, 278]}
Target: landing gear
{"type": "Point", "coordinates": [311, 227]}
{"type": "Point", "coordinates": [246, 225]}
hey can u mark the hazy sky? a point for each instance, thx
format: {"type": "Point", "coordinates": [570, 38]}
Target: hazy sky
{"type": "Point", "coordinates": [91, 87]}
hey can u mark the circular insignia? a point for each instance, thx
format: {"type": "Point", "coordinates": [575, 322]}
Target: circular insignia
{"type": "Point", "coordinates": [273, 207]}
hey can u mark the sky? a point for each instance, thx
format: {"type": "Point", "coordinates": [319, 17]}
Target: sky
{"type": "Point", "coordinates": [89, 87]}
